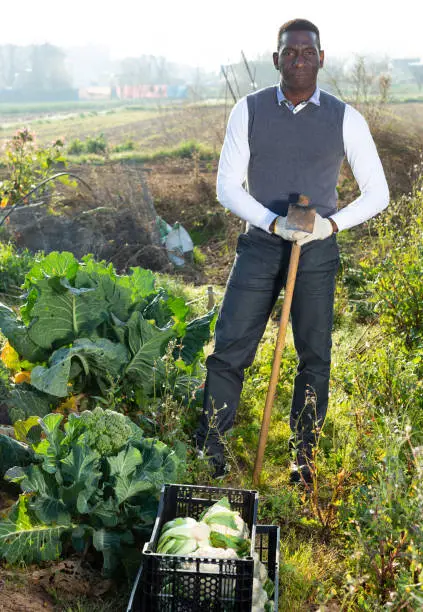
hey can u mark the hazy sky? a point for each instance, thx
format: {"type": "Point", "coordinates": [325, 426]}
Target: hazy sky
{"type": "Point", "coordinates": [214, 32]}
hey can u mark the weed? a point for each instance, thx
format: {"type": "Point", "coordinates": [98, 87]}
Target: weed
{"type": "Point", "coordinates": [14, 265]}
{"type": "Point", "coordinates": [199, 257]}
{"type": "Point", "coordinates": [96, 145]}
{"type": "Point", "coordinates": [76, 147]}
{"type": "Point", "coordinates": [128, 145]}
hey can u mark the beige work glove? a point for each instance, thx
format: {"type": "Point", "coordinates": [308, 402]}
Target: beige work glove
{"type": "Point", "coordinates": [322, 229]}
{"type": "Point", "coordinates": [286, 234]}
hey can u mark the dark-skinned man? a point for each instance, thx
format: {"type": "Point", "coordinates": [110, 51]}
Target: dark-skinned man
{"type": "Point", "coordinates": [286, 140]}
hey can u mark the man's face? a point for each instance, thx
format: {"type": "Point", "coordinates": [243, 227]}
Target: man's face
{"type": "Point", "coordinates": [299, 59]}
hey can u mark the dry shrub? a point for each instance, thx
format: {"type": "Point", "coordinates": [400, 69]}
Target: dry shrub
{"type": "Point", "coordinates": [400, 145]}
{"type": "Point", "coordinates": [110, 214]}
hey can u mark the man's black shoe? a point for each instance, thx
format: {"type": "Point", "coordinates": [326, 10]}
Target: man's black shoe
{"type": "Point", "coordinates": [217, 462]}
{"type": "Point", "coordinates": [300, 474]}
{"type": "Point", "coordinates": [220, 469]}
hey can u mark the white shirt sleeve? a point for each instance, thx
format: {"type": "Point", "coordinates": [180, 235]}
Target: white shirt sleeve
{"type": "Point", "coordinates": [232, 171]}
{"type": "Point", "coordinates": [366, 167]}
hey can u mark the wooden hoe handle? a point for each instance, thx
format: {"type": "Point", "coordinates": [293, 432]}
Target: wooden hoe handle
{"type": "Point", "coordinates": [277, 357]}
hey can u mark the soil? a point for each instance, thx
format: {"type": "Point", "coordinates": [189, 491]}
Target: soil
{"type": "Point", "coordinates": [22, 597]}
{"type": "Point", "coordinates": [185, 191]}
{"type": "Point", "coordinates": [54, 587]}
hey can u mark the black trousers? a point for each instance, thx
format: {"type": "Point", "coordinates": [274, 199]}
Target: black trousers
{"type": "Point", "coordinates": [257, 277]}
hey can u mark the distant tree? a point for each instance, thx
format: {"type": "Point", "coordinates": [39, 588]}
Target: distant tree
{"type": "Point", "coordinates": [417, 72]}
{"type": "Point", "coordinates": [143, 70]}
{"type": "Point", "coordinates": [12, 62]}
{"type": "Point", "coordinates": [35, 67]}
{"type": "Point", "coordinates": [47, 68]}
{"type": "Point", "coordinates": [152, 70]}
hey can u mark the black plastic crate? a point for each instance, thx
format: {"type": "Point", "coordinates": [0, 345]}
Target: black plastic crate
{"type": "Point", "coordinates": [266, 545]}
{"type": "Point", "coordinates": [190, 500]}
{"type": "Point", "coordinates": [165, 584]}
{"type": "Point", "coordinates": [162, 574]}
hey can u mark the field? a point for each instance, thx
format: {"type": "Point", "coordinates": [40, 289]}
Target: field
{"type": "Point", "coordinates": [352, 542]}
{"type": "Point", "coordinates": [152, 128]}
{"type": "Point", "coordinates": [149, 128]}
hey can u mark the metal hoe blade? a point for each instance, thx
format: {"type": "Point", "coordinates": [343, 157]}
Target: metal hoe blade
{"type": "Point", "coordinates": [301, 216]}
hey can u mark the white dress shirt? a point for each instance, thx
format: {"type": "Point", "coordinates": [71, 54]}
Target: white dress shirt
{"type": "Point", "coordinates": [360, 151]}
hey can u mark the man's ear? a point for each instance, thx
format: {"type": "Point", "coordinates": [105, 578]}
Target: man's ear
{"type": "Point", "coordinates": [322, 58]}
{"type": "Point", "coordinates": [276, 60]}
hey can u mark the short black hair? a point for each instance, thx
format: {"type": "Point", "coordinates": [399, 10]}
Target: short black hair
{"type": "Point", "coordinates": [295, 25]}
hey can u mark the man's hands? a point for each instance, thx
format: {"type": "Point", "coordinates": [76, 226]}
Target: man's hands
{"type": "Point", "coordinates": [323, 228]}
{"type": "Point", "coordinates": [279, 228]}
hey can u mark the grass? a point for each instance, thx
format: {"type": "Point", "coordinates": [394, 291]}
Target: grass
{"type": "Point", "coordinates": [111, 603]}
{"type": "Point", "coordinates": [81, 125]}
{"type": "Point", "coordinates": [150, 131]}
{"type": "Point", "coordinates": [185, 150]}
{"type": "Point", "coordinates": [69, 106]}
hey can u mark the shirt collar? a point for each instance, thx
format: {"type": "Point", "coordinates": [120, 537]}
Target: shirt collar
{"type": "Point", "coordinates": [315, 98]}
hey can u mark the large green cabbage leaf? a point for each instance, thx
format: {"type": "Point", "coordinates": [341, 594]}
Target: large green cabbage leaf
{"type": "Point", "coordinates": [103, 360]}
{"type": "Point", "coordinates": [62, 313]}
{"type": "Point", "coordinates": [24, 539]}
{"type": "Point", "coordinates": [115, 291]}
{"type": "Point", "coordinates": [147, 344]}
{"type": "Point", "coordinates": [25, 401]}
{"type": "Point", "coordinates": [13, 453]}
{"type": "Point", "coordinates": [197, 334]}
{"type": "Point", "coordinates": [18, 336]}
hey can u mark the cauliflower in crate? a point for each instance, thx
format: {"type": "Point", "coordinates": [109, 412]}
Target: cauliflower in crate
{"type": "Point", "coordinates": [220, 534]}
{"type": "Point", "coordinates": [182, 536]}
{"type": "Point", "coordinates": [222, 519]}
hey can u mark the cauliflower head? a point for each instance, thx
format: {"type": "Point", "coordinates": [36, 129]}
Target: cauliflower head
{"type": "Point", "coordinates": [106, 431]}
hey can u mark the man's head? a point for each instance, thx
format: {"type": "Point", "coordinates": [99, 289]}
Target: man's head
{"type": "Point", "coordinates": [299, 56]}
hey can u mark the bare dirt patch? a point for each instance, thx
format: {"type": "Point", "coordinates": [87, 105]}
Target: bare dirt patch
{"type": "Point", "coordinates": [19, 595]}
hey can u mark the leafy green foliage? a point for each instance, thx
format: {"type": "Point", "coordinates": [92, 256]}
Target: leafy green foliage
{"type": "Point", "coordinates": [86, 329]}
{"type": "Point", "coordinates": [96, 144]}
{"type": "Point", "coordinates": [24, 401]}
{"type": "Point", "coordinates": [196, 335]}
{"type": "Point", "coordinates": [14, 265]}
{"type": "Point", "coordinates": [398, 293]}
{"type": "Point", "coordinates": [382, 518]}
{"type": "Point", "coordinates": [28, 165]}
{"type": "Point", "coordinates": [4, 382]}
{"type": "Point", "coordinates": [101, 360]}
{"type": "Point", "coordinates": [18, 336]}
{"type": "Point", "coordinates": [76, 147]}
{"type": "Point", "coordinates": [77, 487]}
{"type": "Point", "coordinates": [12, 453]}
{"type": "Point", "coordinates": [24, 539]}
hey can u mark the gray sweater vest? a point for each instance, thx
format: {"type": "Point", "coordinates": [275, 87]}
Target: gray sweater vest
{"type": "Point", "coordinates": [292, 154]}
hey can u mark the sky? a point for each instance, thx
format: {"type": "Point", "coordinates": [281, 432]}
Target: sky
{"type": "Point", "coordinates": [213, 33]}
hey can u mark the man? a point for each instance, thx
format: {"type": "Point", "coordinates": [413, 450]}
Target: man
{"type": "Point", "coordinates": [287, 139]}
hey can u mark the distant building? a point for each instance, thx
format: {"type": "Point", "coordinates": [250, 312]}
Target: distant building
{"type": "Point", "coordinates": [95, 93]}
{"type": "Point", "coordinates": [401, 69]}
{"type": "Point", "coordinates": [142, 92]}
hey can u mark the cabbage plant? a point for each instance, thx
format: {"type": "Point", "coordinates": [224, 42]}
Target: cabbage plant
{"type": "Point", "coordinates": [76, 495]}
